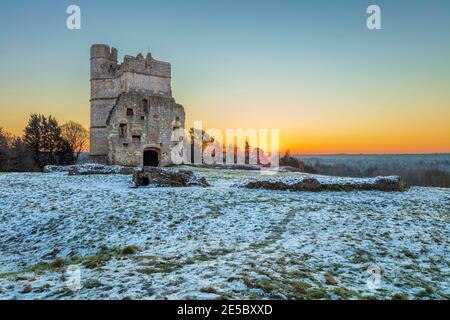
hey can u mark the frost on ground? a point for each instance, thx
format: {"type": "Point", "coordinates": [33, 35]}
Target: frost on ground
{"type": "Point", "coordinates": [218, 242]}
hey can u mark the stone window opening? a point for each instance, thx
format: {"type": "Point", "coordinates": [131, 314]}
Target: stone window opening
{"type": "Point", "coordinates": [123, 130]}
{"type": "Point", "coordinates": [136, 139]}
{"type": "Point", "coordinates": [130, 112]}
{"type": "Point", "coordinates": [176, 124]}
{"type": "Point", "coordinates": [144, 105]}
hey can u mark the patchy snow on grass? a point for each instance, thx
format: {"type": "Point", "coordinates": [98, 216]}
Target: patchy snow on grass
{"type": "Point", "coordinates": [218, 242]}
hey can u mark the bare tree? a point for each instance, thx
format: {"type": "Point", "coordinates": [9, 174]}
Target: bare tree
{"type": "Point", "coordinates": [76, 135]}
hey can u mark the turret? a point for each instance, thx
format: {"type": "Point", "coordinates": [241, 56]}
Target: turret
{"type": "Point", "coordinates": [103, 72]}
{"type": "Point", "coordinates": [103, 61]}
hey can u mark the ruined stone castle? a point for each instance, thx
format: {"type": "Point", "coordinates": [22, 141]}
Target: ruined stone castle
{"type": "Point", "coordinates": [133, 114]}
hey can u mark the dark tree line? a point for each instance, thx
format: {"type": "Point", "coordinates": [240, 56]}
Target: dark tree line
{"type": "Point", "coordinates": [290, 161]}
{"type": "Point", "coordinates": [43, 143]}
{"type": "Point", "coordinates": [15, 155]}
{"type": "Point", "coordinates": [426, 177]}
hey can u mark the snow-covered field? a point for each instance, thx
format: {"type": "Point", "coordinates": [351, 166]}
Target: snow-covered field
{"type": "Point", "coordinates": [218, 242]}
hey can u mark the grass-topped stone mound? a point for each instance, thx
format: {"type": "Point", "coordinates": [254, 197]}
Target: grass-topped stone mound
{"type": "Point", "coordinates": [167, 177]}
{"type": "Point", "coordinates": [391, 183]}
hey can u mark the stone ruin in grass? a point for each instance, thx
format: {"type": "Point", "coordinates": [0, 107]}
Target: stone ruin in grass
{"type": "Point", "coordinates": [151, 176]}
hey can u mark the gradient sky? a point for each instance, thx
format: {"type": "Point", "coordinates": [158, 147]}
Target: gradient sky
{"type": "Point", "coordinates": [310, 68]}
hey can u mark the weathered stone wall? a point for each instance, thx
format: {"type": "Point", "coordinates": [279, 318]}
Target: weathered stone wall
{"type": "Point", "coordinates": [109, 80]}
{"type": "Point", "coordinates": [147, 128]}
{"type": "Point", "coordinates": [148, 66]}
{"type": "Point", "coordinates": [147, 84]}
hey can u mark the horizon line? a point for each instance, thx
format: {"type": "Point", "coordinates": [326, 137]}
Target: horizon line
{"type": "Point", "coordinates": [372, 154]}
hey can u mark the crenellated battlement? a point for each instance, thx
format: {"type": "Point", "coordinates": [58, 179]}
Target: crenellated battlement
{"type": "Point", "coordinates": [105, 63]}
{"type": "Point", "coordinates": [103, 51]}
{"type": "Point", "coordinates": [146, 65]}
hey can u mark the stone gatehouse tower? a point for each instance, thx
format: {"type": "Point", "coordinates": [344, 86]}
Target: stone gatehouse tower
{"type": "Point", "coordinates": [133, 113]}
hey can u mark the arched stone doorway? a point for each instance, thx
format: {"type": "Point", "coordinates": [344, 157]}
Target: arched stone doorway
{"type": "Point", "coordinates": [151, 158]}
